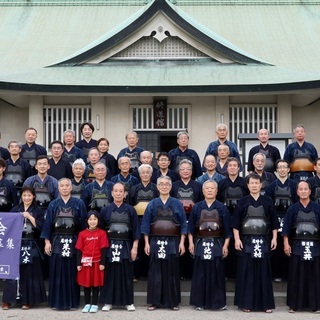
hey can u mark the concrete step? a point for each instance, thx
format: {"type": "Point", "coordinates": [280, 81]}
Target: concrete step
{"type": "Point", "coordinates": [140, 292]}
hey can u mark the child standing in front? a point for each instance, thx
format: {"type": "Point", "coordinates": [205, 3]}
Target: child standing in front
{"type": "Point", "coordinates": [91, 257]}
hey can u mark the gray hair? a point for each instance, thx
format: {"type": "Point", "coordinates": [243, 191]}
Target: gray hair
{"type": "Point", "coordinates": [167, 178]}
{"type": "Point", "coordinates": [259, 154]}
{"type": "Point", "coordinates": [208, 181]}
{"type": "Point", "coordinates": [79, 161]}
{"type": "Point", "coordinates": [183, 161]}
{"type": "Point", "coordinates": [145, 166]}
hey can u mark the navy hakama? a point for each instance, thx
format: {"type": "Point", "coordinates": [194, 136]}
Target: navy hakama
{"type": "Point", "coordinates": [208, 287]}
{"type": "Point", "coordinates": [254, 281]}
{"type": "Point", "coordinates": [64, 292]}
{"type": "Point", "coordinates": [303, 289]}
{"type": "Point", "coordinates": [119, 271]}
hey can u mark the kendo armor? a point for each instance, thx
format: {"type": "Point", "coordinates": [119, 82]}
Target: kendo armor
{"type": "Point", "coordinates": [269, 165]}
{"type": "Point", "coordinates": [134, 160]}
{"type": "Point", "coordinates": [27, 231]}
{"type": "Point", "coordinates": [119, 226]}
{"type": "Point", "coordinates": [143, 198]}
{"type": "Point", "coordinates": [90, 177]}
{"type": "Point", "coordinates": [43, 197]}
{"type": "Point", "coordinates": [64, 222]}
{"type": "Point", "coordinates": [99, 199]}
{"type": "Point", "coordinates": [301, 162]}
{"type": "Point", "coordinates": [282, 198]}
{"type": "Point", "coordinates": [164, 224]}
{"type": "Point", "coordinates": [77, 190]}
{"type": "Point", "coordinates": [306, 227]}
{"type": "Point", "coordinates": [264, 185]}
{"type": "Point", "coordinates": [317, 195]}
{"type": "Point", "coordinates": [15, 174]}
{"type": "Point", "coordinates": [177, 161]}
{"type": "Point", "coordinates": [255, 222]}
{"type": "Point", "coordinates": [69, 157]}
{"type": "Point", "coordinates": [5, 204]}
{"type": "Point", "coordinates": [210, 225]}
{"type": "Point", "coordinates": [185, 196]}
{"type": "Point", "coordinates": [232, 195]}
{"type": "Point", "coordinates": [30, 156]}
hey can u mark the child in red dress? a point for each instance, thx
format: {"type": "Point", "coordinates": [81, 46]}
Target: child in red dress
{"type": "Point", "coordinates": [91, 253]}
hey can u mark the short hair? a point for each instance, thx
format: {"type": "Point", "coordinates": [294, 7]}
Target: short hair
{"type": "Point", "coordinates": [32, 191]}
{"type": "Point", "coordinates": [123, 157]}
{"type": "Point", "coordinates": [92, 149]}
{"type": "Point", "coordinates": [230, 159]}
{"type": "Point", "coordinates": [79, 161]}
{"type": "Point", "coordinates": [208, 181]}
{"type": "Point", "coordinates": [145, 166]}
{"type": "Point", "coordinates": [103, 139]}
{"type": "Point", "coordinates": [56, 142]}
{"type": "Point", "coordinates": [164, 178]}
{"type": "Point", "coordinates": [307, 182]}
{"type": "Point", "coordinates": [253, 176]}
{"type": "Point", "coordinates": [31, 128]}
{"type": "Point", "coordinates": [64, 178]}
{"type": "Point", "coordinates": [298, 126]}
{"type": "Point", "coordinates": [15, 141]}
{"type": "Point", "coordinates": [132, 132]}
{"type": "Point", "coordinates": [100, 162]}
{"type": "Point", "coordinates": [210, 155]}
{"type": "Point", "coordinates": [180, 133]}
{"type": "Point", "coordinates": [223, 145]}
{"type": "Point", "coordinates": [42, 157]}
{"type": "Point", "coordinates": [163, 154]}
{"type": "Point", "coordinates": [146, 151]}
{"type": "Point", "coordinates": [121, 183]}
{"type": "Point", "coordinates": [183, 161]}
{"type": "Point", "coordinates": [287, 162]}
{"type": "Point", "coordinates": [69, 131]}
{"type": "Point", "coordinates": [259, 154]}
{"type": "Point", "coordinates": [221, 125]}
{"type": "Point", "coordinates": [89, 124]}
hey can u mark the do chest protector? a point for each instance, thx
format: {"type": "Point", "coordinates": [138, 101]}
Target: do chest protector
{"type": "Point", "coordinates": [283, 199]}
{"type": "Point", "coordinates": [255, 222]}
{"type": "Point", "coordinates": [64, 222]}
{"type": "Point", "coordinates": [306, 227]}
{"type": "Point", "coordinates": [210, 224]}
{"type": "Point", "coordinates": [120, 226]}
{"type": "Point", "coordinates": [232, 195]}
{"type": "Point", "coordinates": [164, 224]}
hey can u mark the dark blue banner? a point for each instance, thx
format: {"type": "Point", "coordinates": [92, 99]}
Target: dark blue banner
{"type": "Point", "coordinates": [11, 224]}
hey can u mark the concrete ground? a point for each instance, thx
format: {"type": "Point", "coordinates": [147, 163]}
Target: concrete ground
{"type": "Point", "coordinates": [186, 311]}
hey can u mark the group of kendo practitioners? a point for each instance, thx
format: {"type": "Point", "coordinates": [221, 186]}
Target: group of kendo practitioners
{"type": "Point", "coordinates": [101, 223]}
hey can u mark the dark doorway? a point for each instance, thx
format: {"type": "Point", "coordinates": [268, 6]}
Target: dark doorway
{"type": "Point", "coordinates": [168, 142]}
{"type": "Point", "coordinates": [157, 141]}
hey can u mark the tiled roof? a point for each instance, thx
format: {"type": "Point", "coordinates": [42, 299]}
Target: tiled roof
{"type": "Point", "coordinates": [35, 37]}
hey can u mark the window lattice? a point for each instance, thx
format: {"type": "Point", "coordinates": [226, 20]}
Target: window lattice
{"type": "Point", "coordinates": [58, 119]}
{"type": "Point", "coordinates": [250, 119]}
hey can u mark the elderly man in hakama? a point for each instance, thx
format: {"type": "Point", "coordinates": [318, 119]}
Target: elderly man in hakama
{"type": "Point", "coordinates": [66, 216]}
{"type": "Point", "coordinates": [301, 237]}
{"type": "Point", "coordinates": [123, 232]}
{"type": "Point", "coordinates": [139, 197]}
{"type": "Point", "coordinates": [255, 227]}
{"type": "Point", "coordinates": [164, 227]}
{"type": "Point", "coordinates": [210, 222]}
